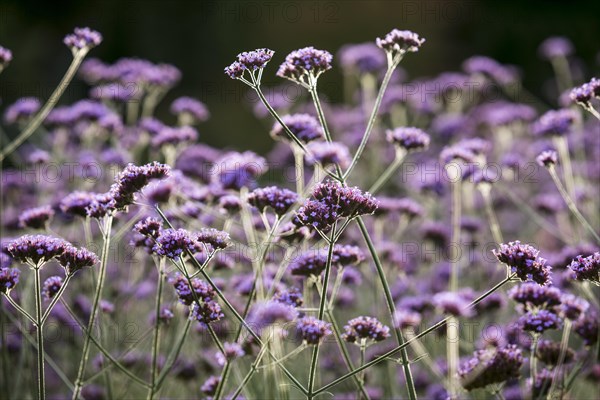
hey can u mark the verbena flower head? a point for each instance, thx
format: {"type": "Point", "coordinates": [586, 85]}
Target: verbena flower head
{"type": "Point", "coordinates": [572, 307]}
{"type": "Point", "coordinates": [82, 39]}
{"type": "Point", "coordinates": [175, 136]}
{"type": "Point", "coordinates": [549, 353]}
{"type": "Point", "coordinates": [206, 312]}
{"type": "Point", "coordinates": [547, 158]}
{"type": "Point", "coordinates": [22, 110]}
{"type": "Point", "coordinates": [237, 170]}
{"type": "Point", "coordinates": [250, 61]}
{"type": "Point", "coordinates": [397, 43]}
{"type": "Point", "coordinates": [452, 303]}
{"type": "Point", "coordinates": [291, 297]}
{"type": "Point", "coordinates": [77, 203]}
{"type": "Point", "coordinates": [214, 239]}
{"type": "Point", "coordinates": [313, 330]}
{"type": "Point", "coordinates": [73, 259]}
{"type": "Point", "coordinates": [5, 57]}
{"type": "Point", "coordinates": [491, 68]}
{"type": "Point", "coordinates": [133, 179]}
{"type": "Point", "coordinates": [304, 126]}
{"type": "Point", "coordinates": [36, 249]}
{"type": "Point", "coordinates": [555, 123]}
{"type": "Point", "coordinates": [102, 204]}
{"type": "Point", "coordinates": [583, 94]}
{"type": "Point", "coordinates": [278, 199]}
{"type": "Point", "coordinates": [150, 227]}
{"type": "Point", "coordinates": [532, 295]}
{"type": "Point", "coordinates": [498, 114]}
{"type": "Point", "coordinates": [36, 218]}
{"type": "Point", "coordinates": [263, 314]}
{"type": "Point", "coordinates": [406, 207]}
{"type": "Point", "coordinates": [333, 201]}
{"type": "Point", "coordinates": [405, 318]}
{"type": "Point", "coordinates": [51, 287]}
{"type": "Point", "coordinates": [408, 138]}
{"type": "Point", "coordinates": [555, 46]}
{"type": "Point", "coordinates": [311, 263]}
{"type": "Point", "coordinates": [209, 387]}
{"type": "Point", "coordinates": [231, 351]}
{"type": "Point", "coordinates": [586, 327]}
{"type": "Point", "coordinates": [190, 109]}
{"type": "Point", "coordinates": [539, 321]}
{"type": "Point", "coordinates": [491, 366]}
{"type": "Point", "coordinates": [304, 66]}
{"type": "Point", "coordinates": [524, 260]}
{"type": "Point", "coordinates": [587, 268]}
{"type": "Point", "coordinates": [9, 277]}
{"type": "Point", "coordinates": [345, 255]}
{"type": "Point", "coordinates": [362, 58]}
{"type": "Point", "coordinates": [367, 328]}
{"type": "Point", "coordinates": [173, 243]}
{"type": "Point", "coordinates": [328, 153]}
{"type": "Point", "coordinates": [203, 291]}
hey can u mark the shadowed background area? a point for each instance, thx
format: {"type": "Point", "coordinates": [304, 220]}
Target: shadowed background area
{"type": "Point", "coordinates": [202, 37]}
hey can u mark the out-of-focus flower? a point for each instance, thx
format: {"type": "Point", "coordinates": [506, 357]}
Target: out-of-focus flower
{"type": "Point", "coordinates": [313, 330]}
{"type": "Point", "coordinates": [21, 110]}
{"type": "Point", "coordinates": [491, 366]}
{"type": "Point", "coordinates": [51, 287]}
{"type": "Point", "coordinates": [367, 328]}
{"type": "Point", "coordinates": [36, 218]}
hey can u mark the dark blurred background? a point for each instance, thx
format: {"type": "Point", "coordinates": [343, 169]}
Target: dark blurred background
{"type": "Point", "coordinates": [202, 37]}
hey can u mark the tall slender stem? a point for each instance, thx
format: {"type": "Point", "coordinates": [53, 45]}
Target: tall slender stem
{"type": "Point", "coordinates": [564, 345]}
{"type": "Point", "coordinates": [317, 102]}
{"type": "Point", "coordinates": [106, 231]}
{"type": "Point", "coordinates": [40, 334]}
{"type": "Point", "coordinates": [571, 204]}
{"type": "Point", "coordinates": [410, 386]}
{"type": "Point", "coordinates": [48, 106]}
{"type": "Point", "coordinates": [533, 359]}
{"type": "Point", "coordinates": [157, 325]}
{"type": "Point", "coordinates": [372, 118]}
{"type": "Point", "coordinates": [386, 175]}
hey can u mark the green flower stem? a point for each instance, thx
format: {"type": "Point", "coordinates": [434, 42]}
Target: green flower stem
{"type": "Point", "coordinates": [533, 359]}
{"type": "Point", "coordinates": [56, 298]}
{"type": "Point", "coordinates": [564, 345]}
{"type": "Point", "coordinates": [427, 331]}
{"type": "Point", "coordinates": [39, 333]}
{"type": "Point", "coordinates": [3, 337]}
{"type": "Point", "coordinates": [250, 374]}
{"type": "Point", "coordinates": [592, 111]}
{"type": "Point", "coordinates": [361, 375]}
{"type": "Point", "coordinates": [317, 102]}
{"type": "Point", "coordinates": [452, 328]}
{"type": "Point", "coordinates": [565, 159]}
{"type": "Point", "coordinates": [157, 324]}
{"type": "Point", "coordinates": [48, 106]}
{"type": "Point", "coordinates": [223, 381]}
{"type": "Point", "coordinates": [412, 393]}
{"type": "Point", "coordinates": [173, 355]}
{"type": "Point", "coordinates": [20, 309]}
{"type": "Point", "coordinates": [372, 118]}
{"type": "Point", "coordinates": [106, 231]}
{"type": "Point", "coordinates": [491, 215]}
{"type": "Point", "coordinates": [299, 164]}
{"type": "Point", "coordinates": [105, 352]}
{"type": "Point", "coordinates": [389, 171]}
{"type": "Point", "coordinates": [571, 204]}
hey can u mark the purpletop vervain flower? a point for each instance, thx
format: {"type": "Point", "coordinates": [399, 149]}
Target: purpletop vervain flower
{"type": "Point", "coordinates": [214, 239]}
{"type": "Point", "coordinates": [313, 330]}
{"type": "Point", "coordinates": [278, 199]}
{"type": "Point", "coordinates": [524, 260]}
{"type": "Point", "coordinates": [549, 353]}
{"type": "Point", "coordinates": [148, 227]}
{"type": "Point", "coordinates": [555, 46]}
{"type": "Point", "coordinates": [206, 313]}
{"type": "Point", "coordinates": [269, 312]}
{"type": "Point", "coordinates": [405, 318]}
{"type": "Point", "coordinates": [9, 277]}
{"type": "Point", "coordinates": [328, 153]}
{"type": "Point", "coordinates": [5, 57]}
{"type": "Point", "coordinates": [175, 136]}
{"type": "Point", "coordinates": [532, 295]}
{"type": "Point", "coordinates": [231, 351]}
{"type": "Point", "coordinates": [21, 110]}
{"type": "Point", "coordinates": [491, 366]}
{"type": "Point", "coordinates": [237, 170]}
{"type": "Point", "coordinates": [587, 268]}
{"type": "Point", "coordinates": [311, 263]}
{"type": "Point", "coordinates": [583, 94]}
{"type": "Point", "coordinates": [547, 158]}
{"type": "Point", "coordinates": [397, 43]}
{"type": "Point", "coordinates": [74, 259]}
{"type": "Point", "coordinates": [209, 387]}
{"type": "Point", "coordinates": [571, 306]}
{"type": "Point", "coordinates": [408, 138]}
{"type": "Point", "coordinates": [291, 297]}
{"type": "Point", "coordinates": [190, 110]}
{"type": "Point", "coordinates": [133, 179]}
{"type": "Point", "coordinates": [36, 249]}
{"type": "Point", "coordinates": [365, 328]}
{"type": "Point", "coordinates": [489, 67]}
{"type": "Point", "coordinates": [249, 61]}
{"type": "Point", "coordinates": [363, 58]}
{"type": "Point", "coordinates": [504, 113]}
{"type": "Point", "coordinates": [77, 203]}
{"type": "Point", "coordinates": [102, 204]}
{"type": "Point", "coordinates": [587, 328]}
{"type": "Point", "coordinates": [345, 255]}
{"type": "Point", "coordinates": [539, 321]}
{"type": "Point", "coordinates": [453, 303]}
{"type": "Point", "coordinates": [173, 243]}
{"type": "Point", "coordinates": [51, 287]}
{"type": "Point", "coordinates": [304, 126]}
{"type": "Point", "coordinates": [555, 122]}
{"type": "Point", "coordinates": [36, 218]}
{"type": "Point", "coordinates": [304, 66]}
{"type": "Point", "coordinates": [82, 39]}
{"type": "Point", "coordinates": [403, 206]}
{"type": "Point", "coordinates": [203, 291]}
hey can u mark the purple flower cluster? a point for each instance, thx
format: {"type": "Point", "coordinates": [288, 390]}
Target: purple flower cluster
{"type": "Point", "coordinates": [206, 312]}
{"type": "Point", "coordinates": [311, 263]}
{"type": "Point", "coordinates": [365, 328]}
{"type": "Point", "coordinates": [74, 259]}
{"type": "Point", "coordinates": [21, 110]}
{"type": "Point", "coordinates": [304, 126]}
{"type": "Point", "coordinates": [190, 109]}
{"type": "Point", "coordinates": [587, 268]}
{"type": "Point", "coordinates": [585, 93]}
{"type": "Point", "coordinates": [5, 57]}
{"type": "Point", "coordinates": [51, 287]}
{"type": "Point", "coordinates": [491, 366]}
{"type": "Point", "coordinates": [249, 61]}
{"type": "Point", "coordinates": [556, 46]}
{"type": "Point", "coordinates": [83, 38]}
{"type": "Point", "coordinates": [174, 243]}
{"type": "Point", "coordinates": [408, 138]}
{"type": "Point", "coordinates": [547, 158]}
{"type": "Point", "coordinates": [538, 321]}
{"type": "Point", "coordinates": [291, 297]}
{"type": "Point", "coordinates": [555, 123]}
{"type": "Point", "coordinates": [175, 136]}
{"type": "Point", "coordinates": [312, 330]}
{"type": "Point", "coordinates": [398, 42]}
{"type": "Point", "coordinates": [524, 260]}
{"type": "Point", "coordinates": [238, 170]}
{"type": "Point", "coordinates": [133, 179]}
{"type": "Point", "coordinates": [139, 76]}
{"type": "Point", "coordinates": [36, 218]}
{"type": "Point", "coordinates": [328, 154]}
{"type": "Point", "coordinates": [303, 66]}
{"type": "Point", "coordinates": [333, 201]}
{"type": "Point", "coordinates": [231, 351]}
{"type": "Point", "coordinates": [363, 58]}
{"type": "Point", "coordinates": [278, 199]}
{"type": "Point", "coordinates": [266, 313]}
{"type": "Point", "coordinates": [491, 68]}
{"type": "Point", "coordinates": [199, 290]}
{"type": "Point", "coordinates": [36, 249]}
{"type": "Point", "coordinates": [9, 277]}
